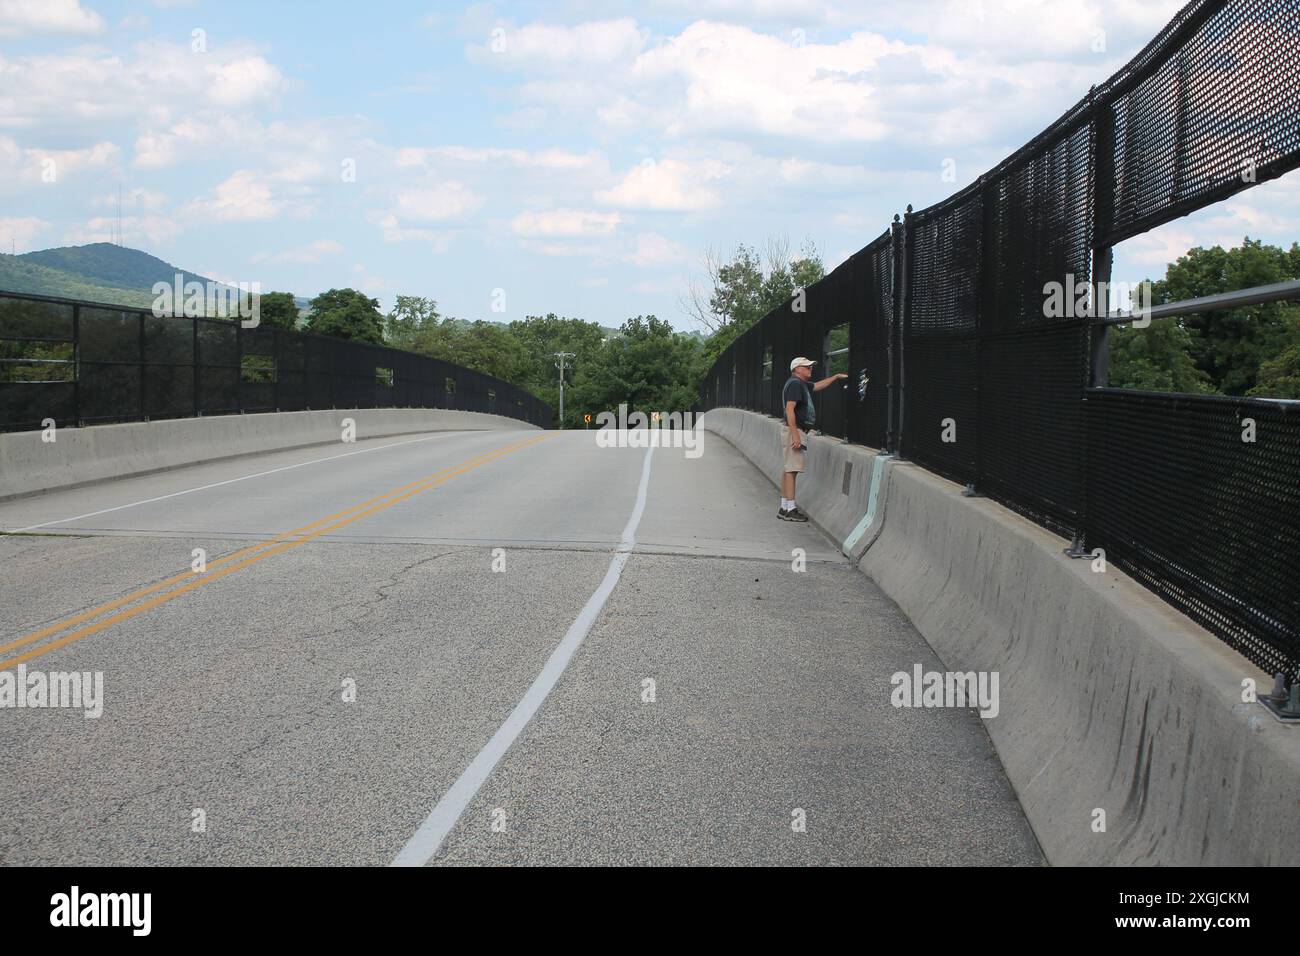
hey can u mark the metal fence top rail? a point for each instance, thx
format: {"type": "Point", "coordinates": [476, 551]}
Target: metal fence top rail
{"type": "Point", "coordinates": [1255, 295]}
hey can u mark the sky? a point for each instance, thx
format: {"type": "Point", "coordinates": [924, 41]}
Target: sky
{"type": "Point", "coordinates": [513, 159]}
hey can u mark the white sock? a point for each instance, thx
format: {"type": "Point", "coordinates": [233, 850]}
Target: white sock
{"type": "Point", "coordinates": [786, 504]}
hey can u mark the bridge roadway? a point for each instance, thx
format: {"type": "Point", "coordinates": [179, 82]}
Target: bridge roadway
{"type": "Point", "coordinates": [224, 692]}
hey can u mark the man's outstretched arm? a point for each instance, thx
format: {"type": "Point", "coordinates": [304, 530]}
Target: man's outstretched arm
{"type": "Point", "coordinates": [829, 380]}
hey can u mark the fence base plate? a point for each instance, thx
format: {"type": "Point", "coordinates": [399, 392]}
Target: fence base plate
{"type": "Point", "coordinates": [1077, 550]}
{"type": "Point", "coordinates": [1278, 710]}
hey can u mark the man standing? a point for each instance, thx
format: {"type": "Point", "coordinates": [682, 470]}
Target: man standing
{"type": "Point", "coordinates": [797, 415]}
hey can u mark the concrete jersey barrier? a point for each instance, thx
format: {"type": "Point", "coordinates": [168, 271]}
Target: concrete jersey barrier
{"type": "Point", "coordinates": [79, 456]}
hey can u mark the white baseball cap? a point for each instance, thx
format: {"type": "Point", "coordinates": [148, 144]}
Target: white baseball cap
{"type": "Point", "coordinates": [807, 362]}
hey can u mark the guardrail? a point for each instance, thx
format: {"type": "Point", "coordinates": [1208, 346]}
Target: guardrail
{"type": "Point", "coordinates": [970, 375]}
{"type": "Point", "coordinates": [86, 363]}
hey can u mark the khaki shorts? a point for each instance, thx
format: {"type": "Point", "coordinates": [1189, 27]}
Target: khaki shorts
{"type": "Point", "coordinates": [791, 460]}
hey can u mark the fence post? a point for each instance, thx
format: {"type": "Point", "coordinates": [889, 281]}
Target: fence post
{"type": "Point", "coordinates": [76, 364]}
{"type": "Point", "coordinates": [144, 378]}
{"type": "Point", "coordinates": [982, 313]}
{"type": "Point", "coordinates": [1102, 189]}
{"type": "Point", "coordinates": [902, 303]}
{"type": "Point", "coordinates": [1103, 192]}
{"type": "Point", "coordinates": [275, 368]}
{"type": "Point", "coordinates": [239, 367]}
{"type": "Point", "coordinates": [197, 365]}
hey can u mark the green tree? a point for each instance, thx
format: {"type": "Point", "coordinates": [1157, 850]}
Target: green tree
{"type": "Point", "coordinates": [486, 347]}
{"type": "Point", "coordinates": [347, 314]}
{"type": "Point", "coordinates": [411, 316]}
{"type": "Point", "coordinates": [278, 310]}
{"type": "Point", "coordinates": [1155, 358]}
{"type": "Point", "coordinates": [647, 365]}
{"type": "Point", "coordinates": [745, 289]}
{"type": "Point", "coordinates": [1279, 377]}
{"type": "Point", "coordinates": [1230, 345]}
{"type": "Point", "coordinates": [541, 336]}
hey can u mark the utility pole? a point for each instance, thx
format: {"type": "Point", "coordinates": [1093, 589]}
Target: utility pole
{"type": "Point", "coordinates": [560, 365]}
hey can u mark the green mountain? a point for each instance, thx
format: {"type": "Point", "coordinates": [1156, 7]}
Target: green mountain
{"type": "Point", "coordinates": [99, 272]}
{"type": "Point", "coordinates": [106, 264]}
{"type": "Point", "coordinates": [17, 274]}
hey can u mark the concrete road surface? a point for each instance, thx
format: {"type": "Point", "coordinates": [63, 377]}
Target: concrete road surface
{"type": "Point", "coordinates": [472, 647]}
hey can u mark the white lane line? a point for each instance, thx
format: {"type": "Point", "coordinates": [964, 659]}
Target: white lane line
{"type": "Point", "coordinates": [230, 481]}
{"type": "Point", "coordinates": [426, 841]}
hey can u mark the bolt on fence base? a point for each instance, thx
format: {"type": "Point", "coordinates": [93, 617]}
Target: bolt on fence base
{"type": "Point", "coordinates": [1076, 548]}
{"type": "Point", "coordinates": [1281, 703]}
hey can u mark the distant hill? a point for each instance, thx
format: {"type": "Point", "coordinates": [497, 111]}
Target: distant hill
{"type": "Point", "coordinates": [98, 272]}
{"type": "Point", "coordinates": [106, 264]}
{"type": "Point", "coordinates": [21, 274]}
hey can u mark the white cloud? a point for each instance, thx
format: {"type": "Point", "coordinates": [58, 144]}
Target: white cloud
{"type": "Point", "coordinates": [559, 159]}
{"type": "Point", "coordinates": [588, 250]}
{"type": "Point", "coordinates": [564, 222]}
{"type": "Point", "coordinates": [541, 46]}
{"type": "Point", "coordinates": [1032, 30]}
{"type": "Point", "coordinates": [245, 196]}
{"type": "Point", "coordinates": [667, 184]}
{"type": "Point", "coordinates": [305, 255]}
{"type": "Point", "coordinates": [51, 166]}
{"type": "Point", "coordinates": [18, 234]}
{"type": "Point", "coordinates": [24, 17]}
{"type": "Point", "coordinates": [393, 231]}
{"type": "Point", "coordinates": [442, 201]}
{"type": "Point", "coordinates": [652, 249]}
{"type": "Point", "coordinates": [243, 81]}
{"type": "Point", "coordinates": [154, 87]}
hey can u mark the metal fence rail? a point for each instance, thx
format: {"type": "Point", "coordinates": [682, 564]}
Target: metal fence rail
{"type": "Point", "coordinates": [973, 377]}
{"type": "Point", "coordinates": [86, 363]}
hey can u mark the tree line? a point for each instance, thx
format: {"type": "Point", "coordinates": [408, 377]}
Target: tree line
{"type": "Point", "coordinates": [643, 363]}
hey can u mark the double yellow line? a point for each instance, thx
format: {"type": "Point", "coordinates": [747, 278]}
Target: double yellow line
{"type": "Point", "coordinates": [230, 563]}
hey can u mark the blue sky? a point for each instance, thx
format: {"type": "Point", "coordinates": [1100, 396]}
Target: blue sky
{"type": "Point", "coordinates": [580, 157]}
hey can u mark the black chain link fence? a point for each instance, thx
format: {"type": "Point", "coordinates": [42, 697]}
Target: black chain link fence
{"type": "Point", "coordinates": [973, 376]}
{"type": "Point", "coordinates": [84, 363]}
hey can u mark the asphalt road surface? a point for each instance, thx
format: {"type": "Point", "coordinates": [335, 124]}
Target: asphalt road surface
{"type": "Point", "coordinates": [471, 647]}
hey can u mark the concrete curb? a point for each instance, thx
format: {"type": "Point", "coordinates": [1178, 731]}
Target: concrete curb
{"type": "Point", "coordinates": [81, 456]}
{"type": "Point", "coordinates": [1109, 698]}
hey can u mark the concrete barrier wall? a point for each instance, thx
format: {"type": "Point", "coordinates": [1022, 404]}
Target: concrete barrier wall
{"type": "Point", "coordinates": [1109, 698]}
{"type": "Point", "coordinates": [834, 505]}
{"type": "Point", "coordinates": [80, 456]}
